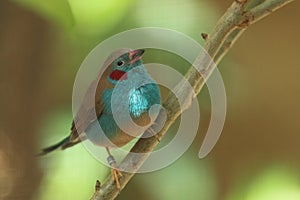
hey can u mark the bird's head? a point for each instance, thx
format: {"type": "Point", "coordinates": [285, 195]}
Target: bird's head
{"type": "Point", "coordinates": [124, 63]}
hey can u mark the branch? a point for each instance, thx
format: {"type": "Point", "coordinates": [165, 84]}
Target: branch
{"type": "Point", "coordinates": [264, 9]}
{"type": "Point", "coordinates": [230, 26]}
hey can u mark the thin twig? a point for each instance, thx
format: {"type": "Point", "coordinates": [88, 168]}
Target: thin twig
{"type": "Point", "coordinates": [262, 10]}
{"type": "Point", "coordinates": [230, 26]}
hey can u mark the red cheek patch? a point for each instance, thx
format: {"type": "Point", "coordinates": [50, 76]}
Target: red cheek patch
{"type": "Point", "coordinates": [118, 75]}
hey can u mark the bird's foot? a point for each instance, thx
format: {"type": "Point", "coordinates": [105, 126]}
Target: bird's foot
{"type": "Point", "coordinates": [116, 174]}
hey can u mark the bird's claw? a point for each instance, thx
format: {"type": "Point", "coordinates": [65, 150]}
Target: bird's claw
{"type": "Point", "coordinates": [116, 174]}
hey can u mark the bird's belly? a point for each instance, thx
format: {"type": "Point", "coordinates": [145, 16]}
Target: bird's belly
{"type": "Point", "coordinates": [106, 132]}
{"type": "Point", "coordinates": [119, 113]}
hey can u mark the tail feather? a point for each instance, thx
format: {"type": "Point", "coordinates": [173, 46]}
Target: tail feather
{"type": "Point", "coordinates": [62, 144]}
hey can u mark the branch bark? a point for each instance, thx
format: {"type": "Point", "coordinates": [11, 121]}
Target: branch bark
{"type": "Point", "coordinates": [226, 32]}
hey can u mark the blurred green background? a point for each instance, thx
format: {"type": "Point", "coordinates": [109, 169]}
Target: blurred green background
{"type": "Point", "coordinates": [42, 44]}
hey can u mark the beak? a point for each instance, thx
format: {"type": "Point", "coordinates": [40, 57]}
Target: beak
{"type": "Point", "coordinates": [135, 55]}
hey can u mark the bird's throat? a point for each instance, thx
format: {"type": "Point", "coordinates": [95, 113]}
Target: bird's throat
{"type": "Point", "coordinates": [118, 75]}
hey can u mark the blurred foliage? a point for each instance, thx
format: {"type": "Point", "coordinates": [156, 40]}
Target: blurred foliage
{"type": "Point", "coordinates": [98, 17]}
{"type": "Point", "coordinates": [187, 178]}
{"type": "Point", "coordinates": [273, 183]}
{"type": "Point", "coordinates": [58, 11]}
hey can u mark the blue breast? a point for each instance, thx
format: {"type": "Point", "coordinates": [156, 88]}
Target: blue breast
{"type": "Point", "coordinates": [139, 99]}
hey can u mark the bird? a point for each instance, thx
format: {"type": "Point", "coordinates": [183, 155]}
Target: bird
{"type": "Point", "coordinates": [122, 88]}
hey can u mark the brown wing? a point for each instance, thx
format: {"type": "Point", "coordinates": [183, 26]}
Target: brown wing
{"type": "Point", "coordinates": [91, 107]}
{"type": "Point", "coordinates": [86, 112]}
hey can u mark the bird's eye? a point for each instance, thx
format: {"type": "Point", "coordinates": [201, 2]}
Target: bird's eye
{"type": "Point", "coordinates": [120, 63]}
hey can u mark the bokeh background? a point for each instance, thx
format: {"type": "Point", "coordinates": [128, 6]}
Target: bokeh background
{"type": "Point", "coordinates": [42, 44]}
